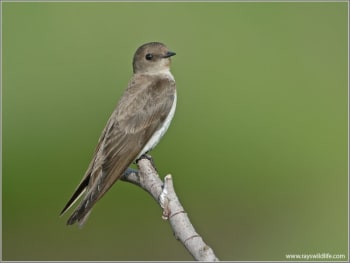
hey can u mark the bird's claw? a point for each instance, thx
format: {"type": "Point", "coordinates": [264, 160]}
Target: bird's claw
{"type": "Point", "coordinates": [149, 158]}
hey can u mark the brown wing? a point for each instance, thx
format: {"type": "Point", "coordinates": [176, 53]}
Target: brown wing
{"type": "Point", "coordinates": [140, 112]}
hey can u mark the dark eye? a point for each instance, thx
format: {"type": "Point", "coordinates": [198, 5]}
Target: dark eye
{"type": "Point", "coordinates": [149, 56]}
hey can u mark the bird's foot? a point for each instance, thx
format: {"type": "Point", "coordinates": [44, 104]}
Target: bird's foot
{"type": "Point", "coordinates": [149, 158]}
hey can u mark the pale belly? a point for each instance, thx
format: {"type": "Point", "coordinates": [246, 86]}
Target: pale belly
{"type": "Point", "coordinates": [159, 133]}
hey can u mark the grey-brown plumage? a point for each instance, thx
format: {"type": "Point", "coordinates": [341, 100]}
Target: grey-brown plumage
{"type": "Point", "coordinates": [140, 119]}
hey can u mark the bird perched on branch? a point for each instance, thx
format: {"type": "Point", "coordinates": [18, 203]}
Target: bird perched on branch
{"type": "Point", "coordinates": [139, 121]}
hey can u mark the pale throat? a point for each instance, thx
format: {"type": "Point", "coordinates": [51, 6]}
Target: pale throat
{"type": "Point", "coordinates": [165, 72]}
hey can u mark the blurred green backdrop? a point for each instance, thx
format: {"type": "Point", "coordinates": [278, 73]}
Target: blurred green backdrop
{"type": "Point", "coordinates": [257, 148]}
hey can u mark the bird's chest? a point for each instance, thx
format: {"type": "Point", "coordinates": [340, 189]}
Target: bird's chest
{"type": "Point", "coordinates": [155, 138]}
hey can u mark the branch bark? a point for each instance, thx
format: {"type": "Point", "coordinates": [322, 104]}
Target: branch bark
{"type": "Point", "coordinates": [164, 194]}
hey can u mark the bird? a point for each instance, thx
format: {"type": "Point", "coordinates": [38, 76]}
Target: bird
{"type": "Point", "coordinates": [140, 119]}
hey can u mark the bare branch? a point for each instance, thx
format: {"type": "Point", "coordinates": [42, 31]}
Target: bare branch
{"type": "Point", "coordinates": [164, 193]}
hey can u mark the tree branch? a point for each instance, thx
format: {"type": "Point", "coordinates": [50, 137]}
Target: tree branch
{"type": "Point", "coordinates": [164, 193]}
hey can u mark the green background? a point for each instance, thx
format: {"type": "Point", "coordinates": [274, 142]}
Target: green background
{"type": "Point", "coordinates": [257, 148]}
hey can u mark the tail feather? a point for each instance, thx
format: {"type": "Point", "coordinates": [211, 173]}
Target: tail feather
{"type": "Point", "coordinates": [83, 210]}
{"type": "Point", "coordinates": [76, 195]}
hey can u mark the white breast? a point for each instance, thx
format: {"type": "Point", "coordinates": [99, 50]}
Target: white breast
{"type": "Point", "coordinates": [159, 133]}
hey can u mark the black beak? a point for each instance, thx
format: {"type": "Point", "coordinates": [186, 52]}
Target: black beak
{"type": "Point", "coordinates": [169, 54]}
